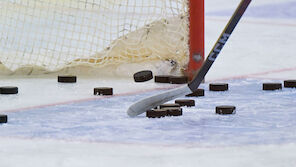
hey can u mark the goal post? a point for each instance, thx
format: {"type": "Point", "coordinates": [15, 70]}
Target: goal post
{"type": "Point", "coordinates": [54, 35]}
{"type": "Point", "coordinates": [196, 36]}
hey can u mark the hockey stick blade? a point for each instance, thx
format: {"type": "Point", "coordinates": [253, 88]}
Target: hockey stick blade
{"type": "Point", "coordinates": [147, 103]}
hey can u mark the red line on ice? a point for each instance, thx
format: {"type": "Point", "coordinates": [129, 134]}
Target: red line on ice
{"type": "Point", "coordinates": [86, 99]}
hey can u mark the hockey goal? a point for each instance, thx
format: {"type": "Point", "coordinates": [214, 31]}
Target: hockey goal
{"type": "Point", "coordinates": [54, 35]}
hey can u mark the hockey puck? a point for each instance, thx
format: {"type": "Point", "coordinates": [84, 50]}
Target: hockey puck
{"type": "Point", "coordinates": [67, 79]}
{"type": "Point", "coordinates": [197, 93]}
{"type": "Point", "coordinates": [272, 86]}
{"type": "Point", "coordinates": [290, 83]}
{"type": "Point", "coordinates": [162, 78]}
{"type": "Point", "coordinates": [8, 90]}
{"type": "Point", "coordinates": [3, 118]}
{"type": "Point", "coordinates": [103, 91]}
{"type": "Point", "coordinates": [168, 105]}
{"type": "Point", "coordinates": [225, 110]}
{"type": "Point", "coordinates": [218, 87]}
{"type": "Point", "coordinates": [174, 111]}
{"type": "Point", "coordinates": [156, 113]}
{"type": "Point", "coordinates": [143, 76]}
{"type": "Point", "coordinates": [185, 102]}
{"type": "Point", "coordinates": [178, 79]}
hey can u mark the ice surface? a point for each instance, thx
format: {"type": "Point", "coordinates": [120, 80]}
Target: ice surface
{"type": "Point", "coordinates": [263, 117]}
{"type": "Point", "coordinates": [71, 127]}
{"type": "Point", "coordinates": [48, 153]}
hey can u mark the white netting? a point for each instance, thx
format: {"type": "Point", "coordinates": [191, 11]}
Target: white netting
{"type": "Point", "coordinates": [56, 34]}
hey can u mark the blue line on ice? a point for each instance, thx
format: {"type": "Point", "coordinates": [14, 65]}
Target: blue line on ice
{"type": "Point", "coordinates": [282, 10]}
{"type": "Point", "coordinates": [262, 118]}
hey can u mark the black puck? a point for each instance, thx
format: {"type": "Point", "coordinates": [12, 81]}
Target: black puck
{"type": "Point", "coordinates": [185, 102]}
{"type": "Point", "coordinates": [197, 93]}
{"type": "Point", "coordinates": [162, 78]}
{"type": "Point", "coordinates": [174, 111]}
{"type": "Point", "coordinates": [156, 113]}
{"type": "Point", "coordinates": [143, 76]}
{"type": "Point", "coordinates": [290, 83]}
{"type": "Point", "coordinates": [67, 79]}
{"type": "Point", "coordinates": [218, 87]}
{"type": "Point", "coordinates": [103, 91]}
{"type": "Point", "coordinates": [225, 110]}
{"type": "Point", "coordinates": [272, 86]}
{"type": "Point", "coordinates": [8, 90]}
{"type": "Point", "coordinates": [168, 105]}
{"type": "Point", "coordinates": [3, 118]}
{"type": "Point", "coordinates": [178, 79]}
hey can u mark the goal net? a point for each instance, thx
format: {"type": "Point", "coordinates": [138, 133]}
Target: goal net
{"type": "Point", "coordinates": [58, 35]}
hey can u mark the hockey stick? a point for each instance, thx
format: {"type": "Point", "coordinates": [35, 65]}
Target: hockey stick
{"type": "Point", "coordinates": [147, 103]}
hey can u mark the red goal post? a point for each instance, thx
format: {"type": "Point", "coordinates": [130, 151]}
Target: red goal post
{"type": "Point", "coordinates": [196, 36]}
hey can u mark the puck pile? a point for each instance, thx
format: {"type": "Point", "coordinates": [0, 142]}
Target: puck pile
{"type": "Point", "coordinates": [164, 109]}
{"type": "Point", "coordinates": [223, 109]}
{"type": "Point", "coordinates": [176, 108]}
{"type": "Point", "coordinates": [170, 109]}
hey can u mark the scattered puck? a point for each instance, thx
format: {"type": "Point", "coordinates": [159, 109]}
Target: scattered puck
{"type": "Point", "coordinates": [143, 76]}
{"type": "Point", "coordinates": [156, 113]}
{"type": "Point", "coordinates": [67, 79]}
{"type": "Point", "coordinates": [8, 90]}
{"type": "Point", "coordinates": [174, 111]}
{"type": "Point", "coordinates": [162, 78]}
{"type": "Point", "coordinates": [272, 86]}
{"type": "Point", "coordinates": [103, 91]}
{"type": "Point", "coordinates": [185, 102]}
{"type": "Point", "coordinates": [168, 105]}
{"type": "Point", "coordinates": [225, 110]}
{"type": "Point", "coordinates": [3, 118]}
{"type": "Point", "coordinates": [178, 79]}
{"type": "Point", "coordinates": [197, 93]}
{"type": "Point", "coordinates": [290, 83]}
{"type": "Point", "coordinates": [218, 87]}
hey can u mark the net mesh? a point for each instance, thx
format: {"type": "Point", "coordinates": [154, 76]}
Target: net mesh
{"type": "Point", "coordinates": [56, 34]}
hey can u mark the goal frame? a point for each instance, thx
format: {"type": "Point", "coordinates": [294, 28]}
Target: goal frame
{"type": "Point", "coordinates": [196, 37]}
{"type": "Point", "coordinates": [192, 47]}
